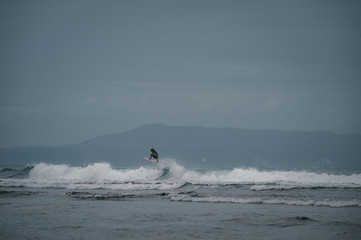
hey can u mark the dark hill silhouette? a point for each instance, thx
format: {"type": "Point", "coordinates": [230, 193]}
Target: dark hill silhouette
{"type": "Point", "coordinates": [204, 147]}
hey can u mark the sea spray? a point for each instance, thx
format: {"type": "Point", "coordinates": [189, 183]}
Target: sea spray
{"type": "Point", "coordinates": [168, 171]}
{"type": "Point", "coordinates": [91, 173]}
{"type": "Point", "coordinates": [172, 181]}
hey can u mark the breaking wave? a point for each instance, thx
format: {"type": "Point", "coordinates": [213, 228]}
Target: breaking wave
{"type": "Point", "coordinates": [168, 174]}
{"type": "Point", "coordinates": [168, 179]}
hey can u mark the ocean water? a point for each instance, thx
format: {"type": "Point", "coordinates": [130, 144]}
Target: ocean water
{"type": "Point", "coordinates": [169, 201]}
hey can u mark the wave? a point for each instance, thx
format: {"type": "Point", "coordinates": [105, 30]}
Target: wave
{"type": "Point", "coordinates": [258, 200]}
{"type": "Point", "coordinates": [8, 172]}
{"type": "Point", "coordinates": [111, 196]}
{"type": "Point", "coordinates": [252, 176]}
{"type": "Point", "coordinates": [92, 176]}
{"type": "Point", "coordinates": [168, 175]}
{"type": "Point", "coordinates": [168, 179]}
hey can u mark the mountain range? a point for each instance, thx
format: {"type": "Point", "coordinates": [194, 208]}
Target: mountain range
{"type": "Point", "coordinates": [203, 147]}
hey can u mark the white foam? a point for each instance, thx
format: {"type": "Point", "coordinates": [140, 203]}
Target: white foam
{"type": "Point", "coordinates": [215, 199]}
{"type": "Point", "coordinates": [91, 173]}
{"type": "Point", "coordinates": [286, 178]}
{"type": "Point", "coordinates": [102, 175]}
{"type": "Point", "coordinates": [176, 171]}
{"type": "Point", "coordinates": [272, 187]}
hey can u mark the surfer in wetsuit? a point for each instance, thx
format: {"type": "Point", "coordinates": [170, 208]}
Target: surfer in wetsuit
{"type": "Point", "coordinates": [154, 154]}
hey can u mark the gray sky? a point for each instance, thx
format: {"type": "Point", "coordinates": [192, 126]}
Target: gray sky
{"type": "Point", "coordinates": [72, 70]}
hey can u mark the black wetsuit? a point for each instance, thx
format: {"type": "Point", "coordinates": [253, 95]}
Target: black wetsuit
{"type": "Point", "coordinates": [154, 153]}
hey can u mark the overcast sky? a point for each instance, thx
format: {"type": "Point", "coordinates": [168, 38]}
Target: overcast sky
{"type": "Point", "coordinates": [72, 70]}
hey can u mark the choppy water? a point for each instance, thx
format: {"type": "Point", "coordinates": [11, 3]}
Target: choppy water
{"type": "Point", "coordinates": [165, 201]}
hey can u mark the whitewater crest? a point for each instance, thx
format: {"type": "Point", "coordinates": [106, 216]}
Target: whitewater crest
{"type": "Point", "coordinates": [171, 180]}
{"type": "Point", "coordinates": [92, 173]}
{"type": "Point", "coordinates": [169, 172]}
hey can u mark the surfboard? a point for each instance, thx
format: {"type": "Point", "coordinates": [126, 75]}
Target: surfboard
{"type": "Point", "coordinates": [150, 160]}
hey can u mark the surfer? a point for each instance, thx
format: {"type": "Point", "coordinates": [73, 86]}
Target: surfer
{"type": "Point", "coordinates": [154, 154]}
